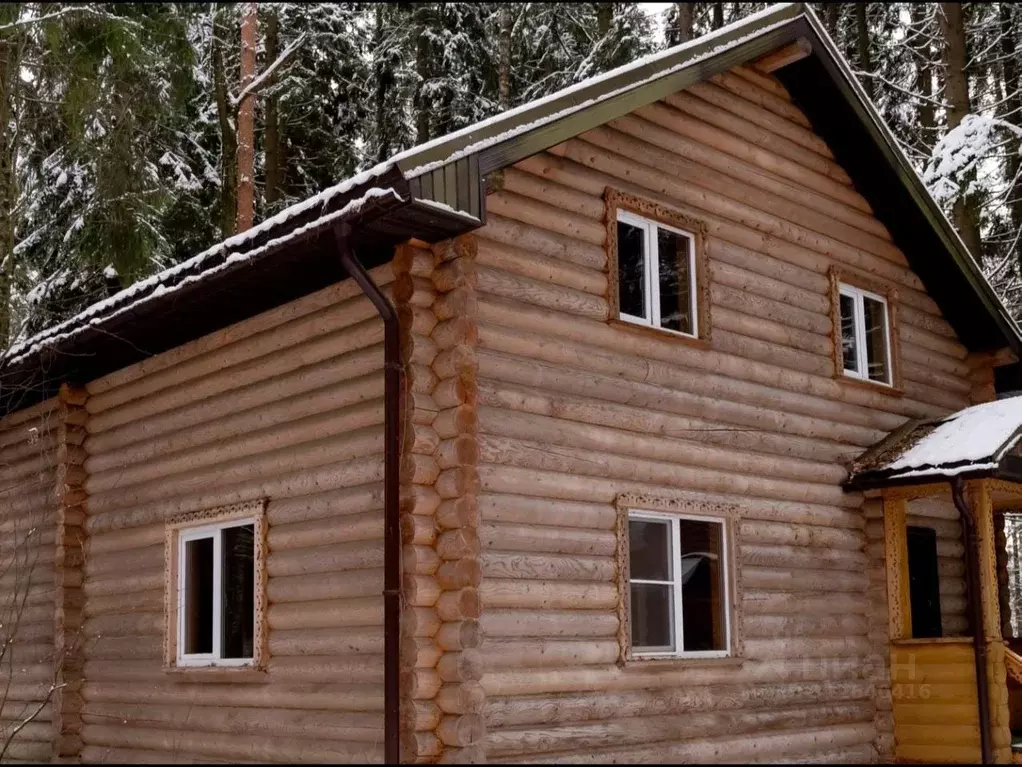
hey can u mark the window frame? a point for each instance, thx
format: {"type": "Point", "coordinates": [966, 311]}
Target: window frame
{"type": "Point", "coordinates": [200, 533]}
{"type": "Point", "coordinates": [673, 519]}
{"type": "Point", "coordinates": [211, 523]}
{"type": "Point", "coordinates": [842, 276]}
{"type": "Point", "coordinates": [670, 219]}
{"type": "Point", "coordinates": [858, 296]}
{"type": "Point", "coordinates": [651, 273]}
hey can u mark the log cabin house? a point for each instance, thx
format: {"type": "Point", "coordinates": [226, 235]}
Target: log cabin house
{"type": "Point", "coordinates": [655, 420]}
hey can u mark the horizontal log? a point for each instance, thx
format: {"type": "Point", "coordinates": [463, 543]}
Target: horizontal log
{"type": "Point", "coordinates": [584, 432]}
{"type": "Point", "coordinates": [627, 693]}
{"type": "Point", "coordinates": [803, 580]}
{"type": "Point", "coordinates": [358, 420]}
{"type": "Point", "coordinates": [585, 463]}
{"type": "Point", "coordinates": [521, 329]}
{"type": "Point", "coordinates": [715, 105]}
{"type": "Point", "coordinates": [523, 209]}
{"type": "Point", "coordinates": [499, 564]}
{"type": "Point", "coordinates": [541, 293]}
{"type": "Point", "coordinates": [323, 532]}
{"type": "Point", "coordinates": [500, 654]}
{"type": "Point", "coordinates": [366, 334]}
{"type": "Point", "coordinates": [356, 727]}
{"type": "Point", "coordinates": [553, 372]}
{"type": "Point", "coordinates": [338, 318]}
{"type": "Point", "coordinates": [223, 746]}
{"type": "Point", "coordinates": [532, 594]}
{"type": "Point", "coordinates": [509, 231]}
{"type": "Point", "coordinates": [581, 738]}
{"type": "Point", "coordinates": [325, 505]}
{"type": "Point", "coordinates": [356, 555]}
{"type": "Point", "coordinates": [770, 748]}
{"type": "Point", "coordinates": [326, 614]}
{"type": "Point", "coordinates": [548, 623]}
{"type": "Point", "coordinates": [327, 297]}
{"type": "Point", "coordinates": [328, 642]}
{"type": "Point", "coordinates": [238, 413]}
{"type": "Point", "coordinates": [704, 187]}
{"type": "Point", "coordinates": [528, 511]}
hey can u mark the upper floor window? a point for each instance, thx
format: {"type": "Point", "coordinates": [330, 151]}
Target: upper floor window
{"type": "Point", "coordinates": [865, 335]}
{"type": "Point", "coordinates": [656, 274]}
{"type": "Point", "coordinates": [678, 585]}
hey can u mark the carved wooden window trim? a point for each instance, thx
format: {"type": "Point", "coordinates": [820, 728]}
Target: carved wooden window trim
{"type": "Point", "coordinates": [728, 515]}
{"type": "Point", "coordinates": [657, 213]}
{"type": "Point", "coordinates": [841, 276]}
{"type": "Point", "coordinates": [255, 511]}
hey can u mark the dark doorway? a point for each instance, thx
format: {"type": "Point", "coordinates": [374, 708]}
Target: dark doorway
{"type": "Point", "coordinates": [923, 582]}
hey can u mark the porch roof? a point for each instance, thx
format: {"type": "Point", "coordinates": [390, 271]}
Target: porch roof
{"type": "Point", "coordinates": [974, 442]}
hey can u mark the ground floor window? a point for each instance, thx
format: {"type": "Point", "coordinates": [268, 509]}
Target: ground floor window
{"type": "Point", "coordinates": [678, 585]}
{"type": "Point", "coordinates": [215, 588]}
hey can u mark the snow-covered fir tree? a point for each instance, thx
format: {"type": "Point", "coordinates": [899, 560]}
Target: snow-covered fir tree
{"type": "Point", "coordinates": [118, 151]}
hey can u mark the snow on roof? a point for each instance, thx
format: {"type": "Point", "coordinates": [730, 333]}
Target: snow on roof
{"type": "Point", "coordinates": [973, 439]}
{"type": "Point", "coordinates": [511, 115]}
{"type": "Point", "coordinates": [161, 284]}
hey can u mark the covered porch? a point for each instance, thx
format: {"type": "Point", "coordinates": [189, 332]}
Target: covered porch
{"type": "Point", "coordinates": [950, 490]}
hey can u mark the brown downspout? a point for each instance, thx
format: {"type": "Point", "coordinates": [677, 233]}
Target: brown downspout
{"type": "Point", "coordinates": [976, 605]}
{"type": "Point", "coordinates": [392, 370]}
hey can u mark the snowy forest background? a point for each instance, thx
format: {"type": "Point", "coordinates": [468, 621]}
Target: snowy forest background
{"type": "Point", "coordinates": [119, 141]}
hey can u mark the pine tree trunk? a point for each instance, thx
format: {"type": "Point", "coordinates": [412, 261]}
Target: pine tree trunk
{"type": "Point", "coordinates": [1012, 113]}
{"type": "Point", "coordinates": [862, 47]}
{"type": "Point", "coordinates": [718, 15]}
{"type": "Point", "coordinates": [383, 78]}
{"type": "Point", "coordinates": [271, 134]}
{"type": "Point", "coordinates": [420, 21]}
{"type": "Point", "coordinates": [246, 120]}
{"type": "Point", "coordinates": [228, 140]}
{"type": "Point", "coordinates": [924, 80]}
{"type": "Point", "coordinates": [604, 17]}
{"type": "Point", "coordinates": [956, 93]}
{"type": "Point", "coordinates": [504, 73]}
{"type": "Point", "coordinates": [685, 22]}
{"type": "Point", "coordinates": [9, 68]}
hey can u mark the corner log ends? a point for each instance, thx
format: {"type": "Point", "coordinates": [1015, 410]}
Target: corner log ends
{"type": "Point", "coordinates": [441, 694]}
{"type": "Point", "coordinates": [69, 561]}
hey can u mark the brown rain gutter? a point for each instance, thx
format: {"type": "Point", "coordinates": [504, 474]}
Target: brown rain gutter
{"type": "Point", "coordinates": [392, 370]}
{"type": "Point", "coordinates": [976, 604]}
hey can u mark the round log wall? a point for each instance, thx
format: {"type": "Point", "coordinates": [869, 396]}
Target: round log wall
{"type": "Point", "coordinates": [573, 411]}
{"type": "Point", "coordinates": [28, 514]}
{"type": "Point", "coordinates": [286, 406]}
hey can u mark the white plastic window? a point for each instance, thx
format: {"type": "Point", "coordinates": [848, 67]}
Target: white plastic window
{"type": "Point", "coordinates": [678, 586]}
{"type": "Point", "coordinates": [656, 275]}
{"type": "Point", "coordinates": [216, 594]}
{"type": "Point", "coordinates": [865, 335]}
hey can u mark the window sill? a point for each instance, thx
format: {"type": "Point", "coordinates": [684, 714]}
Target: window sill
{"type": "Point", "coordinates": [874, 386]}
{"type": "Point", "coordinates": [217, 674]}
{"type": "Point", "coordinates": [660, 333]}
{"type": "Point", "coordinates": [659, 664]}
{"type": "Point", "coordinates": [931, 640]}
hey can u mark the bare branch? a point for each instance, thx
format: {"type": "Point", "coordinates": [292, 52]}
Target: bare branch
{"type": "Point", "coordinates": [263, 79]}
{"type": "Point", "coordinates": [87, 9]}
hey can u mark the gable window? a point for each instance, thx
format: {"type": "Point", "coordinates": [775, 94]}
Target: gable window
{"type": "Point", "coordinates": [678, 585]}
{"type": "Point", "coordinates": [216, 583]}
{"type": "Point", "coordinates": [865, 335]}
{"type": "Point", "coordinates": [656, 274]}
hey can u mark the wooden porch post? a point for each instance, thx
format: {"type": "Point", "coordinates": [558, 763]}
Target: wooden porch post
{"type": "Point", "coordinates": [982, 508]}
{"type": "Point", "coordinates": [899, 609]}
